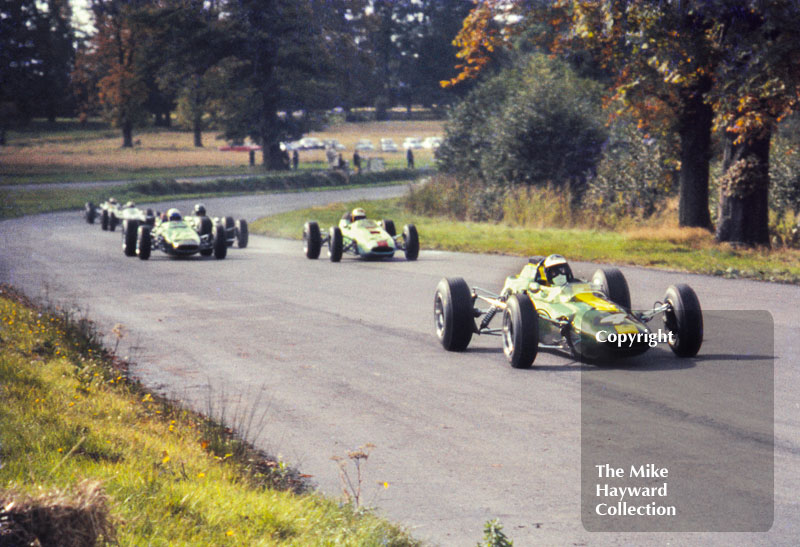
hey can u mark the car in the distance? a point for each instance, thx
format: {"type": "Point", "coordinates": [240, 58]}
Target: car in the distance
{"type": "Point", "coordinates": [413, 143]}
{"type": "Point", "coordinates": [388, 145]}
{"type": "Point", "coordinates": [432, 143]}
{"type": "Point", "coordinates": [112, 213]}
{"type": "Point", "coordinates": [362, 237]}
{"type": "Point", "coordinates": [364, 145]}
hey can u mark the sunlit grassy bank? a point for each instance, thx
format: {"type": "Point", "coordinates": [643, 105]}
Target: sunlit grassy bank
{"type": "Point", "coordinates": [689, 250]}
{"type": "Point", "coordinates": [69, 415]}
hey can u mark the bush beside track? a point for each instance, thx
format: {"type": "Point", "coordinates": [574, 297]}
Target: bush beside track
{"type": "Point", "coordinates": [15, 202]}
{"type": "Point", "coordinates": [90, 451]}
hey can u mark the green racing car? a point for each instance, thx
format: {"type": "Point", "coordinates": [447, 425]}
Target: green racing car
{"type": "Point", "coordinates": [360, 236]}
{"type": "Point", "coordinates": [174, 236]}
{"type": "Point", "coordinates": [546, 307]}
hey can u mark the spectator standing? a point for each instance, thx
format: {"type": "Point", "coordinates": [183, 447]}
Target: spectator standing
{"type": "Point", "coordinates": [410, 158]}
{"type": "Point", "coordinates": [295, 160]}
{"type": "Point", "coordinates": [357, 162]}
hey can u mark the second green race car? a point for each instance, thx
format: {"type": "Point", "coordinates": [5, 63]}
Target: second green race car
{"type": "Point", "coordinates": [174, 236]}
{"type": "Point", "coordinates": [545, 306]}
{"type": "Point", "coordinates": [360, 236]}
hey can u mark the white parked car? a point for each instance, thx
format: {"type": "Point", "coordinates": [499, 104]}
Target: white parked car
{"type": "Point", "coordinates": [334, 144]}
{"type": "Point", "coordinates": [388, 145]}
{"type": "Point", "coordinates": [432, 142]}
{"type": "Point", "coordinates": [310, 143]}
{"type": "Point", "coordinates": [364, 145]}
{"type": "Point", "coordinates": [412, 142]}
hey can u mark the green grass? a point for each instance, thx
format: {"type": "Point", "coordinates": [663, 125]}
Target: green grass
{"type": "Point", "coordinates": [69, 415]}
{"type": "Point", "coordinates": [669, 249]}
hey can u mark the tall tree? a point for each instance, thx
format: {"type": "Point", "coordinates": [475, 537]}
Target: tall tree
{"type": "Point", "coordinates": [272, 67]}
{"type": "Point", "coordinates": [112, 59]}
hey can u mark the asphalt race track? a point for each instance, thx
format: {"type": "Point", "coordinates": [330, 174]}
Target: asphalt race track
{"type": "Point", "coordinates": [329, 357]}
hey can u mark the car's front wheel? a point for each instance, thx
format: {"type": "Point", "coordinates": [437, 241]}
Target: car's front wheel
{"type": "Point", "coordinates": [220, 243]}
{"type": "Point", "coordinates": [684, 320]}
{"type": "Point", "coordinates": [335, 244]}
{"type": "Point", "coordinates": [312, 239]}
{"type": "Point", "coordinates": [242, 233]}
{"type": "Point", "coordinates": [453, 314]}
{"type": "Point", "coordinates": [611, 282]}
{"type": "Point", "coordinates": [520, 331]}
{"type": "Point", "coordinates": [129, 234]}
{"type": "Point", "coordinates": [89, 212]}
{"type": "Point", "coordinates": [411, 240]}
{"type": "Point", "coordinates": [104, 220]}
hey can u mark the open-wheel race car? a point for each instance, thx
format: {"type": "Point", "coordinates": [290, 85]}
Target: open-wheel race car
{"type": "Point", "coordinates": [236, 231]}
{"type": "Point", "coordinates": [360, 236]}
{"type": "Point", "coordinates": [111, 213]}
{"type": "Point", "coordinates": [545, 307]}
{"type": "Point", "coordinates": [174, 236]}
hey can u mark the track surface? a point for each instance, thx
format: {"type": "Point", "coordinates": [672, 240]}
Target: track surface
{"type": "Point", "coordinates": [338, 355]}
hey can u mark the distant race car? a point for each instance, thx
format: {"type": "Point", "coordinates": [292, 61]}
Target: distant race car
{"type": "Point", "coordinates": [362, 237]}
{"type": "Point", "coordinates": [112, 213]}
{"type": "Point", "coordinates": [235, 231]}
{"type": "Point", "coordinates": [174, 236]}
{"type": "Point", "coordinates": [545, 307]}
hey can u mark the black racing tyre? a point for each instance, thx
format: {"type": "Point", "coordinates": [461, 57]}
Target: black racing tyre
{"type": "Point", "coordinates": [150, 217]}
{"type": "Point", "coordinates": [220, 243]}
{"type": "Point", "coordinates": [411, 240]}
{"type": "Point", "coordinates": [130, 231]}
{"type": "Point", "coordinates": [520, 331]}
{"type": "Point", "coordinates": [613, 284]}
{"type": "Point", "coordinates": [388, 225]}
{"type": "Point", "coordinates": [112, 221]}
{"type": "Point", "coordinates": [230, 226]}
{"type": "Point", "coordinates": [684, 320]}
{"type": "Point", "coordinates": [242, 233]}
{"type": "Point", "coordinates": [104, 220]}
{"type": "Point", "coordinates": [453, 314]}
{"type": "Point", "coordinates": [335, 244]}
{"type": "Point", "coordinates": [143, 242]}
{"type": "Point", "coordinates": [312, 240]}
{"type": "Point", "coordinates": [89, 212]}
{"type": "Point", "coordinates": [205, 227]}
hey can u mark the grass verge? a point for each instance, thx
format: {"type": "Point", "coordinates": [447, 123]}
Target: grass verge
{"type": "Point", "coordinates": [70, 418]}
{"type": "Point", "coordinates": [690, 250]}
{"type": "Point", "coordinates": [15, 202]}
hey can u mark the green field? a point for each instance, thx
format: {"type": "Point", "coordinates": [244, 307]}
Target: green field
{"type": "Point", "coordinates": [673, 249]}
{"type": "Point", "coordinates": [73, 425]}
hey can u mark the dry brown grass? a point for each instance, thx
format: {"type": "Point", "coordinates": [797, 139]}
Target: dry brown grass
{"type": "Point", "coordinates": [174, 149]}
{"type": "Point", "coordinates": [78, 518]}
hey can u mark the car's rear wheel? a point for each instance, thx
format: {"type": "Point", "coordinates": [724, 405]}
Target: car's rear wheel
{"type": "Point", "coordinates": [335, 244]}
{"type": "Point", "coordinates": [388, 225]}
{"type": "Point", "coordinates": [242, 233]}
{"type": "Point", "coordinates": [230, 228]}
{"type": "Point", "coordinates": [411, 240]}
{"type": "Point", "coordinates": [684, 320]}
{"type": "Point", "coordinates": [89, 212]}
{"type": "Point", "coordinates": [520, 331]}
{"type": "Point", "coordinates": [453, 314]}
{"type": "Point", "coordinates": [143, 242]}
{"type": "Point", "coordinates": [112, 221]}
{"type": "Point", "coordinates": [104, 220]}
{"type": "Point", "coordinates": [312, 239]}
{"type": "Point", "coordinates": [613, 284]}
{"type": "Point", "coordinates": [129, 234]}
{"type": "Point", "coordinates": [150, 217]}
{"type": "Point", "coordinates": [220, 243]}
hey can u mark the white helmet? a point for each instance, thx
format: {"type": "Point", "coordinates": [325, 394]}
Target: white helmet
{"type": "Point", "coordinates": [556, 270]}
{"type": "Point", "coordinates": [358, 214]}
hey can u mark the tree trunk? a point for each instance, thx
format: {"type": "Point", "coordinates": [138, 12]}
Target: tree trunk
{"type": "Point", "coordinates": [694, 128]}
{"type": "Point", "coordinates": [197, 127]}
{"type": "Point", "coordinates": [744, 191]}
{"type": "Point", "coordinates": [127, 134]}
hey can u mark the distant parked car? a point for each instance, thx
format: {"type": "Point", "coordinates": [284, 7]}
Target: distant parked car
{"type": "Point", "coordinates": [364, 145]}
{"type": "Point", "coordinates": [388, 145]}
{"type": "Point", "coordinates": [310, 143]}
{"type": "Point", "coordinates": [432, 142]}
{"type": "Point", "coordinates": [412, 142]}
{"type": "Point", "coordinates": [334, 144]}
{"type": "Point", "coordinates": [290, 146]}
